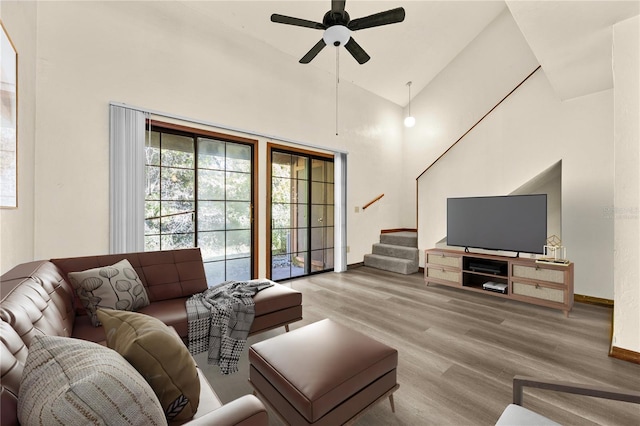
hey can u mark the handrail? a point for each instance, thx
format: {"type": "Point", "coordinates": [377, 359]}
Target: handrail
{"type": "Point", "coordinates": [372, 201]}
{"type": "Point", "coordinates": [478, 122]}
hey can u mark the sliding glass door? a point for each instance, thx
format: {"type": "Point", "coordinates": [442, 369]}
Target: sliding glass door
{"type": "Point", "coordinates": [301, 213]}
{"type": "Point", "coordinates": [199, 193]}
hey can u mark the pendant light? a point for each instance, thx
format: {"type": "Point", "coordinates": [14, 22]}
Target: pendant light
{"type": "Point", "coordinates": [409, 120]}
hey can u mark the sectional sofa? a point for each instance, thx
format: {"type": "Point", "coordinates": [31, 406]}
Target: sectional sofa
{"type": "Point", "coordinates": [37, 299]}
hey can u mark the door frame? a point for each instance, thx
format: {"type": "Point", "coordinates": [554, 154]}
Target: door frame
{"type": "Point", "coordinates": [294, 150]}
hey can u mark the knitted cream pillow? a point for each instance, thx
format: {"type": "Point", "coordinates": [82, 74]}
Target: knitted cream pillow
{"type": "Point", "coordinates": [115, 287]}
{"type": "Point", "coordinates": [158, 353]}
{"type": "Point", "coordinates": [72, 382]}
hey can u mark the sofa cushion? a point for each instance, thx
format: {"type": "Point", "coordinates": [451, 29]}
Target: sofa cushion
{"type": "Point", "coordinates": [157, 352]}
{"type": "Point", "coordinates": [71, 381]}
{"type": "Point", "coordinates": [116, 287]}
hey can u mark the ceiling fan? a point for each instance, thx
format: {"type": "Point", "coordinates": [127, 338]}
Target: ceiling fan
{"type": "Point", "coordinates": [337, 26]}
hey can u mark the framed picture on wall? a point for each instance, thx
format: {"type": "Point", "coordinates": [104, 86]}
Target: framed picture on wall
{"type": "Point", "coordinates": [9, 121]}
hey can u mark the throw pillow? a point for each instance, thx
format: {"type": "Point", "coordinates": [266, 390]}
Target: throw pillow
{"type": "Point", "coordinates": [71, 382]}
{"type": "Point", "coordinates": [158, 353]}
{"type": "Point", "coordinates": [116, 287]}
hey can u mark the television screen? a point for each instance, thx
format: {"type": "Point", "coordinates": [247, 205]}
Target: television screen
{"type": "Point", "coordinates": [510, 223]}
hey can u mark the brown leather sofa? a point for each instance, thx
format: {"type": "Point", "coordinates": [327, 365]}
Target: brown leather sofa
{"type": "Point", "coordinates": [36, 298]}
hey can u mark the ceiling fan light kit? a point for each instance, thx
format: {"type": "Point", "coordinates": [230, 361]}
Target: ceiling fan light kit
{"type": "Point", "coordinates": [337, 26]}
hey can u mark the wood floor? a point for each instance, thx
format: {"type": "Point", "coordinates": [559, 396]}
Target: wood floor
{"type": "Point", "coordinates": [459, 351]}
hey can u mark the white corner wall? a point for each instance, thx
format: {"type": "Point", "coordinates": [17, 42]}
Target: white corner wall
{"type": "Point", "coordinates": [625, 212]}
{"type": "Point", "coordinates": [168, 59]}
{"type": "Point", "coordinates": [495, 62]}
{"type": "Point", "coordinates": [16, 225]}
{"type": "Point", "coordinates": [525, 135]}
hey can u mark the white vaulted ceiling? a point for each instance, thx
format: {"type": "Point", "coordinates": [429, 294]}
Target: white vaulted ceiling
{"type": "Point", "coordinates": [571, 39]}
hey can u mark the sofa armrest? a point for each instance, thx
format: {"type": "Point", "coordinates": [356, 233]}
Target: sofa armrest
{"type": "Point", "coordinates": [247, 410]}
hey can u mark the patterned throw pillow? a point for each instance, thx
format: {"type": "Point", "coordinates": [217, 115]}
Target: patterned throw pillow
{"type": "Point", "coordinates": [72, 382]}
{"type": "Point", "coordinates": [114, 287]}
{"type": "Point", "coordinates": [158, 353]}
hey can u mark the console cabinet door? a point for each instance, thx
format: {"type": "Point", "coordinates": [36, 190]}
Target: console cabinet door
{"type": "Point", "coordinates": [547, 285]}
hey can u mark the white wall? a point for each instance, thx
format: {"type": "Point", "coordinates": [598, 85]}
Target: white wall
{"type": "Point", "coordinates": [625, 210]}
{"type": "Point", "coordinates": [473, 83]}
{"type": "Point", "coordinates": [16, 225]}
{"type": "Point", "coordinates": [528, 133]}
{"type": "Point", "coordinates": [91, 53]}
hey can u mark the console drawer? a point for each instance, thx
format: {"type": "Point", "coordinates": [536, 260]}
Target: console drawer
{"type": "Point", "coordinates": [539, 292]}
{"type": "Point", "coordinates": [538, 274]}
{"type": "Point", "coordinates": [443, 259]}
{"type": "Point", "coordinates": [443, 274]}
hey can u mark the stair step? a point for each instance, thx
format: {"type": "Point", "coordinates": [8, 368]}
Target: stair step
{"type": "Point", "coordinates": [392, 264]}
{"type": "Point", "coordinates": [402, 252]}
{"type": "Point", "coordinates": [407, 239]}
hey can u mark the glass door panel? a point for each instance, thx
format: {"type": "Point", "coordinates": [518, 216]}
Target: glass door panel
{"type": "Point", "coordinates": [301, 215]}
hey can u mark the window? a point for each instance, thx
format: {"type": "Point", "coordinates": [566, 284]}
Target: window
{"type": "Point", "coordinates": [199, 192]}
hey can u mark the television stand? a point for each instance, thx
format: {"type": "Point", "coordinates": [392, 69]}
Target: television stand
{"type": "Point", "coordinates": [515, 278]}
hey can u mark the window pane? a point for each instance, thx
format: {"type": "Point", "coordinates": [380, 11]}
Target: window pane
{"type": "Point", "coordinates": [152, 211]}
{"type": "Point", "coordinates": [300, 167]}
{"type": "Point", "coordinates": [177, 184]}
{"type": "Point", "coordinates": [281, 165]}
{"type": "Point", "coordinates": [281, 215]}
{"type": "Point", "coordinates": [211, 245]}
{"type": "Point", "coordinates": [299, 265]}
{"type": "Point", "coordinates": [211, 154]}
{"type": "Point", "coordinates": [280, 241]}
{"type": "Point", "coordinates": [299, 239]}
{"type": "Point", "coordinates": [176, 223]}
{"type": "Point", "coordinates": [210, 185]}
{"type": "Point", "coordinates": [280, 267]}
{"type": "Point", "coordinates": [318, 215]}
{"type": "Point", "coordinates": [318, 238]}
{"type": "Point", "coordinates": [152, 183]}
{"type": "Point", "coordinates": [175, 241]}
{"type": "Point", "coordinates": [238, 215]}
{"type": "Point", "coordinates": [239, 158]}
{"type": "Point", "coordinates": [280, 190]}
{"type": "Point", "coordinates": [299, 191]}
{"type": "Point", "coordinates": [214, 272]}
{"type": "Point", "coordinates": [238, 244]}
{"type": "Point", "coordinates": [239, 269]}
{"type": "Point", "coordinates": [152, 149]}
{"type": "Point", "coordinates": [319, 193]}
{"type": "Point", "coordinates": [152, 243]}
{"type": "Point", "coordinates": [238, 186]}
{"type": "Point", "coordinates": [211, 216]}
{"type": "Point", "coordinates": [329, 234]}
{"type": "Point", "coordinates": [177, 151]}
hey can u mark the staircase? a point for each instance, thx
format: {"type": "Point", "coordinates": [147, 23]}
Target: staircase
{"type": "Point", "coordinates": [396, 252]}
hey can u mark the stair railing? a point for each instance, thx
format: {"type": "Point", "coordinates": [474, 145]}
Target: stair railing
{"type": "Point", "coordinates": [372, 201]}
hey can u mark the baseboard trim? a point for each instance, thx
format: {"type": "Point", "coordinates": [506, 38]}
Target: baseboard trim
{"type": "Point", "coordinates": [388, 231]}
{"type": "Point", "coordinates": [624, 354]}
{"type": "Point", "coordinates": [593, 300]}
{"type": "Point", "coordinates": [355, 265]}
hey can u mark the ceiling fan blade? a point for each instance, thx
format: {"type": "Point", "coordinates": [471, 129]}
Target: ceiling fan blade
{"type": "Point", "coordinates": [356, 51]}
{"type": "Point", "coordinates": [313, 52]}
{"type": "Point", "coordinates": [383, 18]}
{"type": "Point", "coordinates": [281, 19]}
{"type": "Point", "coordinates": [337, 5]}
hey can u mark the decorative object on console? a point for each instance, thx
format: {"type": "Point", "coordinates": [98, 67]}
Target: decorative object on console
{"type": "Point", "coordinates": [554, 252]}
{"type": "Point", "coordinates": [73, 382]}
{"type": "Point", "coordinates": [116, 287]}
{"type": "Point", "coordinates": [157, 352]}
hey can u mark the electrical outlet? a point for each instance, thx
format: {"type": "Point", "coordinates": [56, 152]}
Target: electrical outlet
{"type": "Point", "coordinates": [348, 249]}
{"type": "Point", "coordinates": [357, 209]}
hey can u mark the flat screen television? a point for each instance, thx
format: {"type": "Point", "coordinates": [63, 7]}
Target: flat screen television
{"type": "Point", "coordinates": [516, 223]}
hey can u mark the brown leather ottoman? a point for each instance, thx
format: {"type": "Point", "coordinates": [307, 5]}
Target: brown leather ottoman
{"type": "Point", "coordinates": [323, 373]}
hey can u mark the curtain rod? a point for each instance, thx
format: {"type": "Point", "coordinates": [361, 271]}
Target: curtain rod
{"type": "Point", "coordinates": [228, 128]}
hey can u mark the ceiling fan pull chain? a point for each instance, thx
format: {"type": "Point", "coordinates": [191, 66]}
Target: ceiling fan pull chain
{"type": "Point", "coordinates": [337, 82]}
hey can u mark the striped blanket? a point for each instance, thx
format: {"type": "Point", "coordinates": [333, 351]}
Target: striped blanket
{"type": "Point", "coordinates": [220, 319]}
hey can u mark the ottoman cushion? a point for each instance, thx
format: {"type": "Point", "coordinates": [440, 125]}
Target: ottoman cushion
{"type": "Point", "coordinates": [319, 366]}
